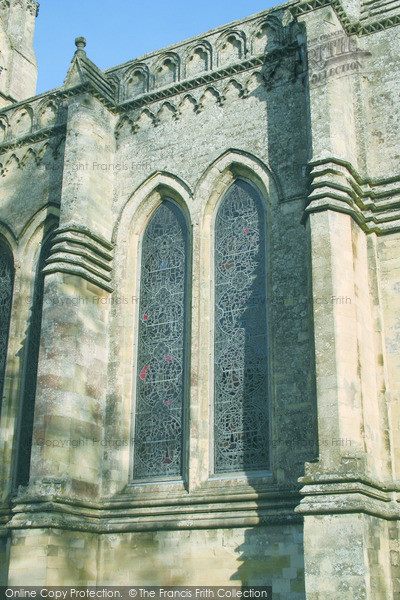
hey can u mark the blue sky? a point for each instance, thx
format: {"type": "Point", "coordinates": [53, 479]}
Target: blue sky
{"type": "Point", "coordinates": [120, 30]}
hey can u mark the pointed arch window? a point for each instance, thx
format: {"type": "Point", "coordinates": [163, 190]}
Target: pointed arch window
{"type": "Point", "coordinates": [161, 386]}
{"type": "Point", "coordinates": [241, 414]}
{"type": "Point", "coordinates": [6, 295]}
{"type": "Point", "coordinates": [31, 362]}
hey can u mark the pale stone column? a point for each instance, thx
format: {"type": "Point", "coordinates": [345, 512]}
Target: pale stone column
{"type": "Point", "coordinates": [67, 448]}
{"type": "Point", "coordinates": [341, 261]}
{"type": "Point", "coordinates": [17, 26]}
{"type": "Point", "coordinates": [353, 455]}
{"type": "Point", "coordinates": [73, 362]}
{"type": "Point", "coordinates": [336, 339]}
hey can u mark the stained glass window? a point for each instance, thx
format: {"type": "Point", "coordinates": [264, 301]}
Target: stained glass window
{"type": "Point", "coordinates": [31, 360]}
{"type": "Point", "coordinates": [161, 375]}
{"type": "Point", "coordinates": [6, 292]}
{"type": "Point", "coordinates": [241, 421]}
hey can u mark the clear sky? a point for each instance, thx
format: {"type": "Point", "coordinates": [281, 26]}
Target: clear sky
{"type": "Point", "coordinates": [120, 30]}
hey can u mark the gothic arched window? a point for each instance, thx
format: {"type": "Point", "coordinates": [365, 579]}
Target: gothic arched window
{"type": "Point", "coordinates": [31, 362]}
{"type": "Point", "coordinates": [6, 294]}
{"type": "Point", "coordinates": [161, 387]}
{"type": "Point", "coordinates": [241, 413]}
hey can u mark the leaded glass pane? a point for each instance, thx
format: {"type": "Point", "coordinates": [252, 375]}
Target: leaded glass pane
{"type": "Point", "coordinates": [241, 380]}
{"type": "Point", "coordinates": [6, 292]}
{"type": "Point", "coordinates": [161, 387]}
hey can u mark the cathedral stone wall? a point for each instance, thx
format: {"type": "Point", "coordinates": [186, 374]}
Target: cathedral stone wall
{"type": "Point", "coordinates": [262, 556]}
{"type": "Point", "coordinates": [299, 103]}
{"type": "Point", "coordinates": [387, 250]}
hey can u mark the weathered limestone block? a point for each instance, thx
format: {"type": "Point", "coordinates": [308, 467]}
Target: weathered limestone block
{"type": "Point", "coordinates": [51, 557]}
{"type": "Point", "coordinates": [19, 67]}
{"type": "Point", "coordinates": [346, 557]}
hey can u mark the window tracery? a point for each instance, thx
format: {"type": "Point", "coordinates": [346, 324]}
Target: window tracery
{"type": "Point", "coordinates": [162, 340]}
{"type": "Point", "coordinates": [241, 369]}
{"type": "Point", "coordinates": [30, 373]}
{"type": "Point", "coordinates": [6, 293]}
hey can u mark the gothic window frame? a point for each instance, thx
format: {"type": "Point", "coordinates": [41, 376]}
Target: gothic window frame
{"type": "Point", "coordinates": [171, 197]}
{"type": "Point", "coordinates": [31, 360]}
{"type": "Point", "coordinates": [7, 252]}
{"type": "Point", "coordinates": [268, 469]}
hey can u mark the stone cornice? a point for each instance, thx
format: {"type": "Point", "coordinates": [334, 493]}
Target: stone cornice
{"type": "Point", "coordinates": [311, 5]}
{"type": "Point", "coordinates": [123, 515]}
{"type": "Point", "coordinates": [32, 138]}
{"type": "Point", "coordinates": [95, 86]}
{"type": "Point", "coordinates": [172, 90]}
{"type": "Point", "coordinates": [349, 497]}
{"type": "Point", "coordinates": [374, 26]}
{"type": "Point", "coordinates": [79, 252]}
{"type": "Point", "coordinates": [201, 510]}
{"type": "Point", "coordinates": [191, 84]}
{"type": "Point", "coordinates": [358, 28]}
{"type": "Point", "coordinates": [335, 185]}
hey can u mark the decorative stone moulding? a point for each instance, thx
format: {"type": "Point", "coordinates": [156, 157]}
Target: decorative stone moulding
{"type": "Point", "coordinates": [266, 35]}
{"type": "Point", "coordinates": [341, 497]}
{"type": "Point", "coordinates": [192, 84]}
{"type": "Point", "coordinates": [136, 81]}
{"type": "Point", "coordinates": [79, 252]}
{"type": "Point", "coordinates": [198, 58]}
{"type": "Point", "coordinates": [21, 122]}
{"type": "Point", "coordinates": [166, 69]}
{"type": "Point", "coordinates": [46, 120]}
{"type": "Point", "coordinates": [100, 87]}
{"type": "Point", "coordinates": [174, 511]}
{"type": "Point", "coordinates": [31, 5]}
{"type": "Point", "coordinates": [32, 138]}
{"type": "Point", "coordinates": [358, 28]}
{"type": "Point", "coordinates": [229, 44]}
{"type": "Point", "coordinates": [208, 56]}
{"type": "Point", "coordinates": [374, 204]}
{"type": "Point", "coordinates": [48, 113]}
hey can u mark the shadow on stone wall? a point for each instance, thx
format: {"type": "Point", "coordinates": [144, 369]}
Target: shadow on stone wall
{"type": "Point", "coordinates": [4, 559]}
{"type": "Point", "coordinates": [30, 357]}
{"type": "Point", "coordinates": [32, 182]}
{"type": "Point", "coordinates": [272, 553]}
